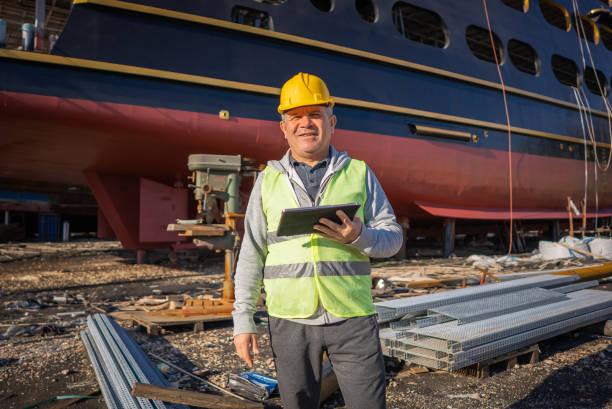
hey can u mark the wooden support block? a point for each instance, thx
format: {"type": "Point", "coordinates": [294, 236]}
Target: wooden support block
{"type": "Point", "coordinates": [483, 372]}
{"type": "Point", "coordinates": [448, 238]}
{"type": "Point", "coordinates": [153, 329]}
{"type": "Point", "coordinates": [511, 363]}
{"type": "Point", "coordinates": [482, 369]}
{"type": "Point", "coordinates": [535, 356]}
{"type": "Point", "coordinates": [185, 397]}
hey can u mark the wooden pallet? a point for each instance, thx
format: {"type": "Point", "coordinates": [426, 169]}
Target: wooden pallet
{"type": "Point", "coordinates": [156, 323]}
{"type": "Point", "coordinates": [482, 369]}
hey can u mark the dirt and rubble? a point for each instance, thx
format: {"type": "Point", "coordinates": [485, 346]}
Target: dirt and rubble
{"type": "Point", "coordinates": [46, 290]}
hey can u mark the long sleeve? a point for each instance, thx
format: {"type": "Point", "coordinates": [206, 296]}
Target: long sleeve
{"type": "Point", "coordinates": [381, 235]}
{"type": "Point", "coordinates": [249, 269]}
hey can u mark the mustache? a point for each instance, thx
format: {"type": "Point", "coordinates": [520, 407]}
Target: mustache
{"type": "Point", "coordinates": [308, 131]}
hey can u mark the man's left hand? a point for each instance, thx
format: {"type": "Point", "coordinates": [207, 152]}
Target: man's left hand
{"type": "Point", "coordinates": [347, 232]}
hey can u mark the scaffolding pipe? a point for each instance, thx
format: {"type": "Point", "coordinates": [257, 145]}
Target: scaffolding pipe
{"type": "Point", "coordinates": [39, 37]}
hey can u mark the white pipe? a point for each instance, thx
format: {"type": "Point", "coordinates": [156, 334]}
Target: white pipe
{"type": "Point", "coordinates": [574, 208]}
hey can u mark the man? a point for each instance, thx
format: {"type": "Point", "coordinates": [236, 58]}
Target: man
{"type": "Point", "coordinates": [317, 286]}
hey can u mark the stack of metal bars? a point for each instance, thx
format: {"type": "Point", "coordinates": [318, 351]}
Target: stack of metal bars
{"type": "Point", "coordinates": [118, 363]}
{"type": "Point", "coordinates": [575, 287]}
{"type": "Point", "coordinates": [469, 311]}
{"type": "Point", "coordinates": [414, 306]}
{"type": "Point", "coordinates": [494, 325]}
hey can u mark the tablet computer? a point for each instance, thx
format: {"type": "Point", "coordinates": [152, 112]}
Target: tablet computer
{"type": "Point", "coordinates": [300, 220]}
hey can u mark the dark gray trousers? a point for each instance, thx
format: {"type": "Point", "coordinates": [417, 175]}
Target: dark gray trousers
{"type": "Point", "coordinates": [353, 348]}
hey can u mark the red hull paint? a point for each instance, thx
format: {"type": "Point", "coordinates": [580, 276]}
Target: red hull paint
{"type": "Point", "coordinates": [59, 139]}
{"type": "Point", "coordinates": [492, 214]}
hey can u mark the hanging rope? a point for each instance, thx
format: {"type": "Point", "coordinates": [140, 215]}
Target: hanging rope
{"type": "Point", "coordinates": [581, 34]}
{"type": "Point", "coordinates": [583, 105]}
{"type": "Point", "coordinates": [585, 145]}
{"type": "Point", "coordinates": [501, 79]}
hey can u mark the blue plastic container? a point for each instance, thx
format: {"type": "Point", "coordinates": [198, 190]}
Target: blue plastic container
{"type": "Point", "coordinates": [48, 227]}
{"type": "Point", "coordinates": [27, 37]}
{"type": "Point", "coordinates": [2, 33]}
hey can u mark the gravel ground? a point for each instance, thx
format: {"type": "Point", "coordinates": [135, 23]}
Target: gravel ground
{"type": "Point", "coordinates": [575, 370]}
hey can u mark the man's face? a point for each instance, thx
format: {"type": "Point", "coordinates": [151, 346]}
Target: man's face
{"type": "Point", "coordinates": [308, 130]}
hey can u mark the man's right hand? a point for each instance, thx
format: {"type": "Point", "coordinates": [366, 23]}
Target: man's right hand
{"type": "Point", "coordinates": [244, 343]}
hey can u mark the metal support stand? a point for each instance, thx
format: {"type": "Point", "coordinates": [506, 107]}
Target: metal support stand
{"type": "Point", "coordinates": [555, 230]}
{"type": "Point", "coordinates": [449, 238]}
{"type": "Point", "coordinates": [141, 256]}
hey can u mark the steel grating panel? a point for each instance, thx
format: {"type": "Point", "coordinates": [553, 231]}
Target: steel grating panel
{"type": "Point", "coordinates": [119, 362]}
{"type": "Point", "coordinates": [113, 366]}
{"type": "Point", "coordinates": [399, 324]}
{"type": "Point", "coordinates": [526, 338]}
{"type": "Point", "coordinates": [111, 399]}
{"type": "Point", "coordinates": [480, 332]}
{"type": "Point", "coordinates": [482, 308]}
{"type": "Point", "coordinates": [423, 352]}
{"type": "Point", "coordinates": [487, 351]}
{"type": "Point", "coordinates": [424, 302]}
{"type": "Point", "coordinates": [123, 363]}
{"type": "Point", "coordinates": [432, 319]}
{"type": "Point", "coordinates": [428, 362]}
{"type": "Point", "coordinates": [575, 287]}
{"type": "Point", "coordinates": [151, 373]}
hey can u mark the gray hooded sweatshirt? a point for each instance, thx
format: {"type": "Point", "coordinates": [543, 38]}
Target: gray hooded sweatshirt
{"type": "Point", "coordinates": [380, 237]}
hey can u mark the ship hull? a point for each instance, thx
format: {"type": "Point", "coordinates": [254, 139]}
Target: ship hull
{"type": "Point", "coordinates": [121, 104]}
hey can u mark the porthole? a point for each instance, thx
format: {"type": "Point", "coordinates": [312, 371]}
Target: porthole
{"type": "Point", "coordinates": [596, 82]}
{"type": "Point", "coordinates": [419, 24]}
{"type": "Point", "coordinates": [524, 57]}
{"type": "Point", "coordinates": [590, 29]}
{"type": "Point", "coordinates": [519, 5]}
{"type": "Point", "coordinates": [367, 10]}
{"type": "Point", "coordinates": [565, 70]}
{"type": "Point", "coordinates": [479, 41]}
{"type": "Point", "coordinates": [252, 17]}
{"type": "Point", "coordinates": [323, 5]}
{"type": "Point", "coordinates": [555, 14]}
{"type": "Point", "coordinates": [606, 36]}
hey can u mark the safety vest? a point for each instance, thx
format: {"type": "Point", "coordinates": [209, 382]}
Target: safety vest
{"type": "Point", "coordinates": [300, 270]}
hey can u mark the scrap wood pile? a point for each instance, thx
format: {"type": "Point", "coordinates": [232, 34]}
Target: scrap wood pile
{"type": "Point", "coordinates": [457, 328]}
{"type": "Point", "coordinates": [417, 277]}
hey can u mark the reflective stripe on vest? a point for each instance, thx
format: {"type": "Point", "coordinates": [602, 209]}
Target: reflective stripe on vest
{"type": "Point", "coordinates": [300, 270]}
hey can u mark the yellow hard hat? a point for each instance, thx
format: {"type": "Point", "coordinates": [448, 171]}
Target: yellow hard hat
{"type": "Point", "coordinates": [303, 90]}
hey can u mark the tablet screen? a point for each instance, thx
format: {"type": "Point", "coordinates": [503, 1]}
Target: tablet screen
{"type": "Point", "coordinates": [300, 220]}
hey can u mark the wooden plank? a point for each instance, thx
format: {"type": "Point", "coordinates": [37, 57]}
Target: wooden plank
{"type": "Point", "coordinates": [200, 229]}
{"type": "Point", "coordinates": [204, 400]}
{"type": "Point", "coordinates": [511, 358]}
{"type": "Point", "coordinates": [169, 320]}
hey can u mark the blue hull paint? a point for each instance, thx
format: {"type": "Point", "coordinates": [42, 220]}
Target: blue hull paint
{"type": "Point", "coordinates": [131, 90]}
{"type": "Point", "coordinates": [446, 177]}
{"type": "Point", "coordinates": [140, 40]}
